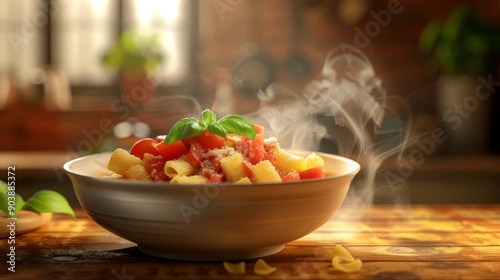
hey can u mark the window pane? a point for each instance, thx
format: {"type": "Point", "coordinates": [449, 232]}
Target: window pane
{"type": "Point", "coordinates": [169, 19]}
{"type": "Point", "coordinates": [22, 27]}
{"type": "Point", "coordinates": [83, 32]}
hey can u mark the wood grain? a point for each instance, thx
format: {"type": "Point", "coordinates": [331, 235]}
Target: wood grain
{"type": "Point", "coordinates": [419, 242]}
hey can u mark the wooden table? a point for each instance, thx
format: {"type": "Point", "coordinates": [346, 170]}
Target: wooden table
{"type": "Point", "coordinates": [418, 242]}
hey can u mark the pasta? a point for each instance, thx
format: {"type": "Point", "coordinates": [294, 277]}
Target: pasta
{"type": "Point", "coordinates": [234, 268]}
{"type": "Point", "coordinates": [343, 261]}
{"type": "Point", "coordinates": [121, 161]}
{"type": "Point", "coordinates": [265, 172]}
{"type": "Point", "coordinates": [179, 167]}
{"type": "Point", "coordinates": [195, 179]}
{"type": "Point", "coordinates": [233, 167]}
{"type": "Point", "coordinates": [262, 268]}
{"type": "Point", "coordinates": [138, 172]}
{"type": "Point", "coordinates": [208, 157]}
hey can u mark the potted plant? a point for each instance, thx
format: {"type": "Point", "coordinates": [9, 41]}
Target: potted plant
{"type": "Point", "coordinates": [462, 48]}
{"type": "Point", "coordinates": [136, 56]}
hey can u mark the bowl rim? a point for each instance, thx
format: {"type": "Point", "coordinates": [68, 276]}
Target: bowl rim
{"type": "Point", "coordinates": [123, 182]}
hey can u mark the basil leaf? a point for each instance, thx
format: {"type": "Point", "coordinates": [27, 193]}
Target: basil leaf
{"type": "Point", "coordinates": [184, 128]}
{"type": "Point", "coordinates": [4, 205]}
{"type": "Point", "coordinates": [238, 125]}
{"type": "Point", "coordinates": [49, 201]}
{"type": "Point", "coordinates": [3, 187]}
{"type": "Point", "coordinates": [217, 128]}
{"type": "Point", "coordinates": [208, 117]}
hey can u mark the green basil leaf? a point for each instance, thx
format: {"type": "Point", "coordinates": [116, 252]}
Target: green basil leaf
{"type": "Point", "coordinates": [4, 205]}
{"type": "Point", "coordinates": [208, 117]}
{"type": "Point", "coordinates": [217, 128]}
{"type": "Point", "coordinates": [49, 201]}
{"type": "Point", "coordinates": [184, 128]}
{"type": "Point", "coordinates": [3, 187]}
{"type": "Point", "coordinates": [238, 125]}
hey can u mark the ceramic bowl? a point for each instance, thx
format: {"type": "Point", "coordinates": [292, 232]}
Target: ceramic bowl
{"type": "Point", "coordinates": [210, 222]}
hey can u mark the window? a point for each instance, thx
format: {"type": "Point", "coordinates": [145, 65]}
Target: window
{"type": "Point", "coordinates": [73, 35]}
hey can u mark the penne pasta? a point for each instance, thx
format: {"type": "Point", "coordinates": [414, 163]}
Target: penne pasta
{"type": "Point", "coordinates": [243, 181]}
{"type": "Point", "coordinates": [179, 167]}
{"type": "Point", "coordinates": [120, 161]}
{"type": "Point", "coordinates": [264, 172]}
{"type": "Point", "coordinates": [233, 167]}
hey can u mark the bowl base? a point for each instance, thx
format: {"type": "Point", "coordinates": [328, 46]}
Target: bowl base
{"type": "Point", "coordinates": [211, 256]}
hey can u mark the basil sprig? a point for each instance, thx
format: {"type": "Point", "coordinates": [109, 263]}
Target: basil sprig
{"type": "Point", "coordinates": [42, 201]}
{"type": "Point", "coordinates": [190, 127]}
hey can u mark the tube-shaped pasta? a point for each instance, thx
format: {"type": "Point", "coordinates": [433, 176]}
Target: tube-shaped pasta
{"type": "Point", "coordinates": [313, 160]}
{"type": "Point", "coordinates": [195, 179]}
{"type": "Point", "coordinates": [243, 181]}
{"type": "Point", "coordinates": [233, 167]}
{"type": "Point", "coordinates": [120, 161]}
{"type": "Point", "coordinates": [138, 172]}
{"type": "Point", "coordinates": [179, 167]}
{"type": "Point", "coordinates": [287, 162]}
{"type": "Point", "coordinates": [264, 172]}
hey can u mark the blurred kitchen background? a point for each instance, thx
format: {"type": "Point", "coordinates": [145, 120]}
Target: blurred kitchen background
{"type": "Point", "coordinates": [74, 77]}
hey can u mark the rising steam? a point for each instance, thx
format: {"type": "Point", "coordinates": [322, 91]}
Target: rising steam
{"type": "Point", "coordinates": [343, 111]}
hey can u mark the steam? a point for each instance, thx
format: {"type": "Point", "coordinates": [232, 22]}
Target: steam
{"type": "Point", "coordinates": [344, 108]}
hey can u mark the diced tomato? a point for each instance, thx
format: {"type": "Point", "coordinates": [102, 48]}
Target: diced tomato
{"type": "Point", "coordinates": [145, 145]}
{"type": "Point", "coordinates": [215, 178]}
{"type": "Point", "coordinates": [316, 172]}
{"type": "Point", "coordinates": [187, 141]}
{"type": "Point", "coordinates": [247, 166]}
{"type": "Point", "coordinates": [195, 154]}
{"type": "Point", "coordinates": [292, 176]}
{"type": "Point", "coordinates": [160, 138]}
{"type": "Point", "coordinates": [173, 151]}
{"type": "Point", "coordinates": [210, 141]}
{"type": "Point", "coordinates": [256, 152]}
{"type": "Point", "coordinates": [259, 129]}
{"type": "Point", "coordinates": [155, 167]}
{"type": "Point", "coordinates": [271, 149]}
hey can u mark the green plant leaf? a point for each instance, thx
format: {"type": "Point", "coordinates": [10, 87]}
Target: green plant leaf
{"type": "Point", "coordinates": [3, 187]}
{"type": "Point", "coordinates": [184, 128]}
{"type": "Point", "coordinates": [238, 125]}
{"type": "Point", "coordinates": [49, 201]}
{"type": "Point", "coordinates": [208, 117]}
{"type": "Point", "coordinates": [217, 128]}
{"type": "Point", "coordinates": [14, 209]}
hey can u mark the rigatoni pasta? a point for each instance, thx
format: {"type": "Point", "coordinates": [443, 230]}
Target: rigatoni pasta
{"type": "Point", "coordinates": [208, 157]}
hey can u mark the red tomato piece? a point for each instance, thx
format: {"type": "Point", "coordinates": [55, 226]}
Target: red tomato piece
{"type": "Point", "coordinates": [210, 141]}
{"type": "Point", "coordinates": [316, 172]}
{"type": "Point", "coordinates": [292, 176]}
{"type": "Point", "coordinates": [145, 145]}
{"type": "Point", "coordinates": [247, 166]}
{"type": "Point", "coordinates": [160, 138]}
{"type": "Point", "coordinates": [195, 154]}
{"type": "Point", "coordinates": [215, 178]}
{"type": "Point", "coordinates": [173, 151]}
{"type": "Point", "coordinates": [256, 152]}
{"type": "Point", "coordinates": [155, 167]}
{"type": "Point", "coordinates": [259, 129]}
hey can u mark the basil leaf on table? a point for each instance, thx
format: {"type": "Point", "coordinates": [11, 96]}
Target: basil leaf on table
{"type": "Point", "coordinates": [4, 204]}
{"type": "Point", "coordinates": [49, 201]}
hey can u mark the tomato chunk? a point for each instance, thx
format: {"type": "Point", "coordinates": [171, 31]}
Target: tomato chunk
{"type": "Point", "coordinates": [256, 153]}
{"type": "Point", "coordinates": [316, 172]}
{"type": "Point", "coordinates": [195, 154]}
{"type": "Point", "coordinates": [143, 146]}
{"type": "Point", "coordinates": [210, 141]}
{"type": "Point", "coordinates": [173, 151]}
{"type": "Point", "coordinates": [292, 176]}
{"type": "Point", "coordinates": [154, 166]}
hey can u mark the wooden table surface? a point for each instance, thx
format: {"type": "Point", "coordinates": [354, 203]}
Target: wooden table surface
{"type": "Point", "coordinates": [417, 242]}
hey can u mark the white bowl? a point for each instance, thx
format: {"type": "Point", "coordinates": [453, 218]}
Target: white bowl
{"type": "Point", "coordinates": [210, 222]}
